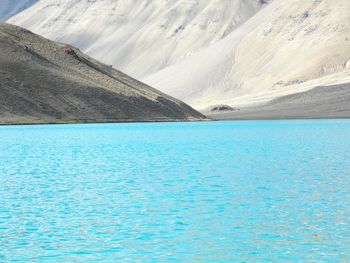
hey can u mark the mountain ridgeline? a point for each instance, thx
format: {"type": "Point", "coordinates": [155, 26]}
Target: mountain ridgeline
{"type": "Point", "coordinates": [138, 37]}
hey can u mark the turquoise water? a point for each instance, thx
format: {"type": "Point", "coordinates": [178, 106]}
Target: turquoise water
{"type": "Point", "coordinates": [255, 191]}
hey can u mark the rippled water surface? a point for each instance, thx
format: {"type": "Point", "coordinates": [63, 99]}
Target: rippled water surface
{"type": "Point", "coordinates": [264, 191]}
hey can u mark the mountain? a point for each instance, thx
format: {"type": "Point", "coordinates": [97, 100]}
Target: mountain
{"type": "Point", "coordinates": [9, 8]}
{"type": "Point", "coordinates": [139, 37]}
{"type": "Point", "coordinates": [232, 53]}
{"type": "Point", "coordinates": [287, 48]}
{"type": "Point", "coordinates": [46, 82]}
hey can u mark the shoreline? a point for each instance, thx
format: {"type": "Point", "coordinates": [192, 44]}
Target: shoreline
{"type": "Point", "coordinates": [287, 118]}
{"type": "Point", "coordinates": [175, 121]}
{"type": "Point", "coordinates": [325, 102]}
{"type": "Point", "coordinates": [109, 121]}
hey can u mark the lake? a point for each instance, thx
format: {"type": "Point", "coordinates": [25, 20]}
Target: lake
{"type": "Point", "coordinates": [245, 191]}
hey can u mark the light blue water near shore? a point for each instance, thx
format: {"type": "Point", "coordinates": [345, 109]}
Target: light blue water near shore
{"type": "Point", "coordinates": [255, 191]}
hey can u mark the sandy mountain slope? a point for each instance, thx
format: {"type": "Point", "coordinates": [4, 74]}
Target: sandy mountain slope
{"type": "Point", "coordinates": [9, 8]}
{"type": "Point", "coordinates": [288, 47]}
{"type": "Point", "coordinates": [138, 37]}
{"type": "Point", "coordinates": [42, 81]}
{"type": "Point", "coordinates": [331, 101]}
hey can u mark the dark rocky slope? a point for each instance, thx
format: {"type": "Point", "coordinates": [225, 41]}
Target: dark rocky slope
{"type": "Point", "coordinates": [46, 82]}
{"type": "Point", "coordinates": [320, 102]}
